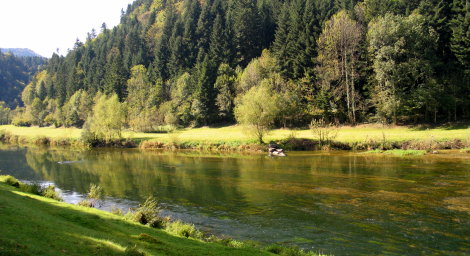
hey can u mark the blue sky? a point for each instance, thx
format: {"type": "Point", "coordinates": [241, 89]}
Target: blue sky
{"type": "Point", "coordinates": [45, 25]}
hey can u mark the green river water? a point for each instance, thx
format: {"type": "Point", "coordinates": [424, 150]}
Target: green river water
{"type": "Point", "coordinates": [338, 203]}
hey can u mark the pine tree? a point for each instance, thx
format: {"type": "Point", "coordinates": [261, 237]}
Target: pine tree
{"type": "Point", "coordinates": [205, 94]}
{"type": "Point", "coordinates": [460, 41]}
{"type": "Point", "coordinates": [247, 31]}
{"type": "Point", "coordinates": [189, 40]}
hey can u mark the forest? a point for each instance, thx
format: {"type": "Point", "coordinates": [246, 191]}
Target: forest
{"type": "Point", "coordinates": [15, 73]}
{"type": "Point", "coordinates": [266, 63]}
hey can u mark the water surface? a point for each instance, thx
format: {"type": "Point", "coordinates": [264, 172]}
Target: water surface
{"type": "Point", "coordinates": [339, 203]}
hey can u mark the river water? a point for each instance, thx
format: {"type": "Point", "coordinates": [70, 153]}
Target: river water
{"type": "Point", "coordinates": [338, 203]}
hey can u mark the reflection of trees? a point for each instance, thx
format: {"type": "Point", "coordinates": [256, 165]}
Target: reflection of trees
{"type": "Point", "coordinates": [200, 179]}
{"type": "Point", "coordinates": [135, 175]}
{"type": "Point", "coordinates": [342, 195]}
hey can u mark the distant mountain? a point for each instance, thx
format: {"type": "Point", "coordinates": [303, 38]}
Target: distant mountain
{"type": "Point", "coordinates": [20, 52]}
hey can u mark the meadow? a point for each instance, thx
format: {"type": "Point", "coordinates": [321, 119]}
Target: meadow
{"type": "Point", "coordinates": [237, 135]}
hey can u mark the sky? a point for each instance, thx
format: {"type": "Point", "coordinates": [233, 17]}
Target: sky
{"type": "Point", "coordinates": [45, 25]}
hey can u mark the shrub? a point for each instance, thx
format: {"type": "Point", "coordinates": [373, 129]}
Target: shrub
{"type": "Point", "coordinates": [324, 132]}
{"type": "Point", "coordinates": [41, 141]}
{"type": "Point", "coordinates": [182, 229]}
{"type": "Point", "coordinates": [4, 136]}
{"type": "Point", "coordinates": [50, 192]}
{"type": "Point", "coordinates": [117, 211]}
{"type": "Point", "coordinates": [257, 110]}
{"type": "Point", "coordinates": [94, 196]}
{"type": "Point", "coordinates": [107, 119]}
{"type": "Point", "coordinates": [32, 188]}
{"type": "Point", "coordinates": [10, 180]}
{"type": "Point", "coordinates": [21, 121]}
{"type": "Point", "coordinates": [148, 214]}
{"type": "Point", "coordinates": [96, 192]}
{"type": "Point", "coordinates": [85, 203]}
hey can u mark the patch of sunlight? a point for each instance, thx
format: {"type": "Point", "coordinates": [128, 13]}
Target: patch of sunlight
{"type": "Point", "coordinates": [100, 242]}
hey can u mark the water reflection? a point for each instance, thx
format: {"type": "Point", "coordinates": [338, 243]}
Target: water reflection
{"type": "Point", "coordinates": [345, 204]}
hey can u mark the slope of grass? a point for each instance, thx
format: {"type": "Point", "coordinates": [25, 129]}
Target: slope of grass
{"type": "Point", "coordinates": [34, 225]}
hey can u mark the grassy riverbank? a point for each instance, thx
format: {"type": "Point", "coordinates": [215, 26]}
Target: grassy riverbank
{"type": "Point", "coordinates": [35, 225]}
{"type": "Point", "coordinates": [364, 137]}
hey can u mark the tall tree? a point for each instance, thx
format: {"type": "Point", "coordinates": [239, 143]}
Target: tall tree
{"type": "Point", "coordinates": [460, 41]}
{"type": "Point", "coordinates": [402, 50]}
{"type": "Point", "coordinates": [246, 22]}
{"type": "Point", "coordinates": [338, 48]}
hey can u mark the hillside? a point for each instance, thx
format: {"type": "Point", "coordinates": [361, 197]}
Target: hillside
{"type": "Point", "coordinates": [195, 63]}
{"type": "Point", "coordinates": [15, 73]}
{"type": "Point", "coordinates": [73, 230]}
{"type": "Point", "coordinates": [20, 52]}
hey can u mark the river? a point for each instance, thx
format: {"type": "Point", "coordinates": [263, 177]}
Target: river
{"type": "Point", "coordinates": [339, 203]}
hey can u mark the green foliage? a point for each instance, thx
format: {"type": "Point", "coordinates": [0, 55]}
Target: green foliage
{"type": "Point", "coordinates": [10, 180]}
{"type": "Point", "coordinates": [460, 25]}
{"type": "Point", "coordinates": [141, 99]}
{"type": "Point", "coordinates": [107, 121]}
{"type": "Point", "coordinates": [94, 232]}
{"type": "Point", "coordinates": [324, 132]}
{"type": "Point", "coordinates": [400, 152]}
{"type": "Point", "coordinates": [94, 197]}
{"type": "Point", "coordinates": [183, 63]}
{"type": "Point", "coordinates": [338, 57]}
{"type": "Point", "coordinates": [182, 229]}
{"type": "Point", "coordinates": [15, 73]}
{"type": "Point", "coordinates": [148, 214]}
{"type": "Point", "coordinates": [50, 192]}
{"type": "Point", "coordinates": [402, 53]}
{"type": "Point", "coordinates": [5, 113]}
{"type": "Point", "coordinates": [257, 110]}
{"type": "Point", "coordinates": [32, 188]}
{"type": "Point", "coordinates": [225, 86]}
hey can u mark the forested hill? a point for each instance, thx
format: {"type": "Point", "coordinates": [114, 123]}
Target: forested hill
{"type": "Point", "coordinates": [20, 52]}
{"type": "Point", "coordinates": [200, 62]}
{"type": "Point", "coordinates": [15, 73]}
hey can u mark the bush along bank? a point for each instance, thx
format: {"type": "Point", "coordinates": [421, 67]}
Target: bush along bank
{"type": "Point", "coordinates": [300, 144]}
{"type": "Point", "coordinates": [83, 230]}
{"type": "Point", "coordinates": [7, 137]}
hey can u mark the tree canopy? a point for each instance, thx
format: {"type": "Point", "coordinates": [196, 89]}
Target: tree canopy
{"type": "Point", "coordinates": [193, 63]}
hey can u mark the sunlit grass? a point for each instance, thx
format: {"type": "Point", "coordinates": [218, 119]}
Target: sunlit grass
{"type": "Point", "coordinates": [34, 225]}
{"type": "Point", "coordinates": [399, 152]}
{"type": "Point", "coordinates": [236, 133]}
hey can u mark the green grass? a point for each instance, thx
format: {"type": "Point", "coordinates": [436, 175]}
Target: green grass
{"type": "Point", "coordinates": [399, 152]}
{"type": "Point", "coordinates": [234, 136]}
{"type": "Point", "coordinates": [34, 225]}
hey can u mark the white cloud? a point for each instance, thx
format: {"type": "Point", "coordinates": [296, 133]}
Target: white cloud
{"type": "Point", "coordinates": [45, 25]}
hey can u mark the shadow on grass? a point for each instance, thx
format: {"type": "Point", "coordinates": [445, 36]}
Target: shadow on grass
{"type": "Point", "coordinates": [446, 126]}
{"type": "Point", "coordinates": [35, 226]}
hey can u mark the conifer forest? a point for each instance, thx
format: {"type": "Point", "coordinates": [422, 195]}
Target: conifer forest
{"type": "Point", "coordinates": [285, 62]}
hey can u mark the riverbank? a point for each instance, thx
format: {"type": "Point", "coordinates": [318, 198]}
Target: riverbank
{"type": "Point", "coordinates": [234, 138]}
{"type": "Point", "coordinates": [35, 225]}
